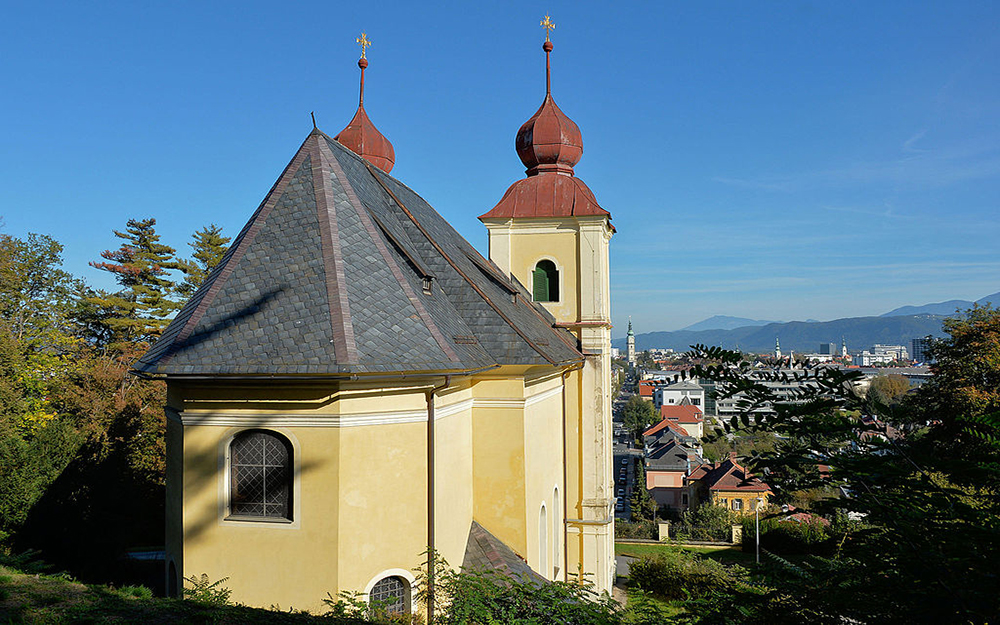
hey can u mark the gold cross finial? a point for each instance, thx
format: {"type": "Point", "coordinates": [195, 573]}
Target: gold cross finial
{"type": "Point", "coordinates": [548, 25]}
{"type": "Point", "coordinates": [364, 42]}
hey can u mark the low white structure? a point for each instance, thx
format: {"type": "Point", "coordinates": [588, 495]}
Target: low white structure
{"type": "Point", "coordinates": [674, 394]}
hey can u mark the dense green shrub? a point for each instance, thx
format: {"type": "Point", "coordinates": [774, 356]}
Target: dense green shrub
{"type": "Point", "coordinates": [638, 529]}
{"type": "Point", "coordinates": [788, 536]}
{"type": "Point", "coordinates": [29, 464]}
{"type": "Point", "coordinates": [203, 590]}
{"type": "Point", "coordinates": [680, 575]}
{"type": "Point", "coordinates": [707, 522]}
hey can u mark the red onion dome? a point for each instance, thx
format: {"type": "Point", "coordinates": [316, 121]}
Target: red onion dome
{"type": "Point", "coordinates": [549, 141]}
{"type": "Point", "coordinates": [363, 138]}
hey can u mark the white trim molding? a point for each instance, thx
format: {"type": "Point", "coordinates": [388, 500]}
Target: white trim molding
{"type": "Point", "coordinates": [243, 420]}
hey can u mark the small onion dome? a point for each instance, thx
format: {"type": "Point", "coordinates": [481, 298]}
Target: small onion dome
{"type": "Point", "coordinates": [547, 196]}
{"type": "Point", "coordinates": [549, 141]}
{"type": "Point", "coordinates": [363, 138]}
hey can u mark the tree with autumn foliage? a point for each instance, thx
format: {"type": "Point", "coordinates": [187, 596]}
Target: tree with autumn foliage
{"type": "Point", "coordinates": [141, 310]}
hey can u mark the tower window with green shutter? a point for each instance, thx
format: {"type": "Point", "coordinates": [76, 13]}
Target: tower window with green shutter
{"type": "Point", "coordinates": [545, 282]}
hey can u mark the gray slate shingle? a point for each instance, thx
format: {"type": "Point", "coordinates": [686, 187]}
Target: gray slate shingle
{"type": "Point", "coordinates": [266, 309]}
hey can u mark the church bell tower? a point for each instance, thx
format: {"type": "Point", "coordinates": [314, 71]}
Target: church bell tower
{"type": "Point", "coordinates": [549, 232]}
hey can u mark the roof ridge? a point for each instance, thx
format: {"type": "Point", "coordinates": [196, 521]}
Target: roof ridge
{"type": "Point", "coordinates": [345, 346]}
{"type": "Point", "coordinates": [455, 266]}
{"type": "Point", "coordinates": [239, 247]}
{"type": "Point", "coordinates": [389, 260]}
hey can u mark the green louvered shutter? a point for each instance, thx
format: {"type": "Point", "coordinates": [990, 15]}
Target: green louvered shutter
{"type": "Point", "coordinates": [540, 285]}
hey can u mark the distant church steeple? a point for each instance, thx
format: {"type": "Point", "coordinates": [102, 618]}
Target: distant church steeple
{"type": "Point", "coordinates": [631, 343]}
{"type": "Point", "coordinates": [843, 346]}
{"type": "Point", "coordinates": [777, 348]}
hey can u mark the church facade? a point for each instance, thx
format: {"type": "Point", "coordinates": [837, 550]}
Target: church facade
{"type": "Point", "coordinates": [355, 383]}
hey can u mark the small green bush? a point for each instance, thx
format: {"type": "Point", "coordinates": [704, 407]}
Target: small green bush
{"type": "Point", "coordinates": [638, 529]}
{"type": "Point", "coordinates": [135, 592]}
{"type": "Point", "coordinates": [206, 591]}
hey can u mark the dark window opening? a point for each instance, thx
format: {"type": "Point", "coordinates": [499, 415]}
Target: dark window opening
{"type": "Point", "coordinates": [545, 282]}
{"type": "Point", "coordinates": [260, 475]}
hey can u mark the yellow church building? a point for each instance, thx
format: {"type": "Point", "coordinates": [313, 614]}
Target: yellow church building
{"type": "Point", "coordinates": [355, 383]}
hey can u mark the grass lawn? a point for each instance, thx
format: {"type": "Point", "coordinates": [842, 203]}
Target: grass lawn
{"type": "Point", "coordinates": [723, 555]}
{"type": "Point", "coordinates": [28, 598]}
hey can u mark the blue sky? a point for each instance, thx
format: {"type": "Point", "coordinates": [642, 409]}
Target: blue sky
{"type": "Point", "coordinates": [784, 160]}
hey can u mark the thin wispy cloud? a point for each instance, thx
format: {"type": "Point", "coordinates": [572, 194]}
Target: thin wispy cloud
{"type": "Point", "coordinates": [909, 144]}
{"type": "Point", "coordinates": [918, 169]}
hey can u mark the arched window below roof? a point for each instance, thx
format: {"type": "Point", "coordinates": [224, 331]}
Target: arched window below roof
{"type": "Point", "coordinates": [545, 282]}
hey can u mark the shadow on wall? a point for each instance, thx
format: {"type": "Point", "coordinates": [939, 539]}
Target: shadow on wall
{"type": "Point", "coordinates": [110, 498]}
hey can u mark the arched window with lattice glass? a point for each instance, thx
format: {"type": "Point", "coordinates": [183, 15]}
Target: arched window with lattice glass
{"type": "Point", "coordinates": [260, 476]}
{"type": "Point", "coordinates": [390, 595]}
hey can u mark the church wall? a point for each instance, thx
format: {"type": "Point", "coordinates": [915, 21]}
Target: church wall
{"type": "Point", "coordinates": [173, 529]}
{"type": "Point", "coordinates": [383, 501]}
{"type": "Point", "coordinates": [498, 460]}
{"type": "Point", "coordinates": [360, 506]}
{"type": "Point", "coordinates": [543, 472]}
{"type": "Point", "coordinates": [574, 472]}
{"type": "Point", "coordinates": [297, 557]}
{"type": "Point", "coordinates": [453, 473]}
{"type": "Point", "coordinates": [536, 240]}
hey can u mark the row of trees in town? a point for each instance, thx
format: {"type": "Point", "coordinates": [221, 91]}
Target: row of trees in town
{"type": "Point", "coordinates": [81, 442]}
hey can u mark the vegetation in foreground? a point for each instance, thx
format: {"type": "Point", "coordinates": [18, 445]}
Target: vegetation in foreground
{"type": "Point", "coordinates": [39, 598]}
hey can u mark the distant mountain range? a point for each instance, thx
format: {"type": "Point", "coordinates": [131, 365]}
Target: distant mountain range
{"type": "Point", "coordinates": [800, 336]}
{"type": "Point", "coordinates": [896, 327]}
{"type": "Point", "coordinates": [943, 308]}
{"type": "Point", "coordinates": [725, 322]}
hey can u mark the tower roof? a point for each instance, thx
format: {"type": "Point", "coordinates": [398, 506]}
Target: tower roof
{"type": "Point", "coordinates": [550, 145]}
{"type": "Point", "coordinates": [342, 269]}
{"type": "Point", "coordinates": [361, 136]}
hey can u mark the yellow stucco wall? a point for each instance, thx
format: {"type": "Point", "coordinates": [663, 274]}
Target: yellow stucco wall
{"type": "Point", "coordinates": [542, 445]}
{"type": "Point", "coordinates": [725, 498]}
{"type": "Point", "coordinates": [579, 248]}
{"type": "Point", "coordinates": [360, 495]}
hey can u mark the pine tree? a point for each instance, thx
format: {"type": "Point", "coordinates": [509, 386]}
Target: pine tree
{"type": "Point", "coordinates": [141, 309]}
{"type": "Point", "coordinates": [209, 247]}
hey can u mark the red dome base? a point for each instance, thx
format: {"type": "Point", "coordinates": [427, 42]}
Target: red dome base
{"type": "Point", "coordinates": [549, 195]}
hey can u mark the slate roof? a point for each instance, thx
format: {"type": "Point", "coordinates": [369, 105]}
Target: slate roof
{"type": "Point", "coordinates": [671, 456]}
{"type": "Point", "coordinates": [666, 430]}
{"type": "Point", "coordinates": [486, 552]}
{"type": "Point", "coordinates": [328, 278]}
